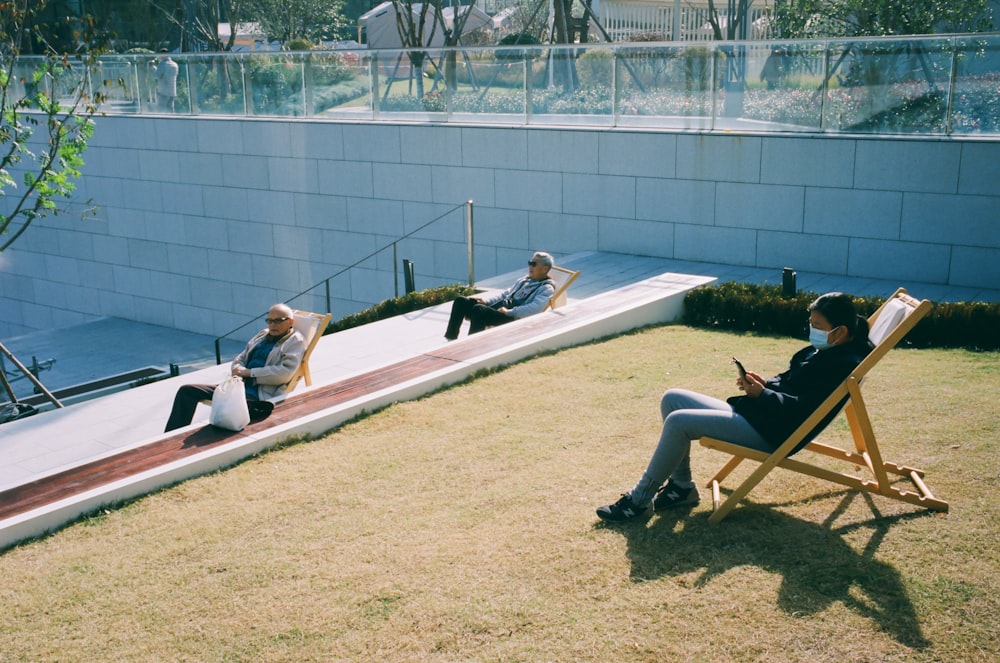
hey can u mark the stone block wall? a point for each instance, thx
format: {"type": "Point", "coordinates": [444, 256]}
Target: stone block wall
{"type": "Point", "coordinates": [201, 223]}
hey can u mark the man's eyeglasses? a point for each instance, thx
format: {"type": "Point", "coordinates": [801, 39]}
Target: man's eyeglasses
{"type": "Point", "coordinates": [277, 321]}
{"type": "Point", "coordinates": [532, 263]}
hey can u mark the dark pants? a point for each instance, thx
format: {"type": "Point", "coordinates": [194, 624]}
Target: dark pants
{"type": "Point", "coordinates": [188, 396]}
{"type": "Point", "coordinates": [480, 317]}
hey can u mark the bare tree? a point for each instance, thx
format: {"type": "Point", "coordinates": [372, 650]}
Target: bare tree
{"type": "Point", "coordinates": [420, 24]}
{"type": "Point", "coordinates": [286, 20]}
{"type": "Point", "coordinates": [731, 26]}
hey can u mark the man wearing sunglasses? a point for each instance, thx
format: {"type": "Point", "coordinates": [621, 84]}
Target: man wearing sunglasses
{"type": "Point", "coordinates": [266, 365]}
{"type": "Point", "coordinates": [527, 296]}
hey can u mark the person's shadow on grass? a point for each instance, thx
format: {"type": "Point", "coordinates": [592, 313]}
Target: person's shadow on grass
{"type": "Point", "coordinates": [818, 567]}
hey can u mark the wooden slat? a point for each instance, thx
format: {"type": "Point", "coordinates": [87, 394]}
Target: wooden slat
{"type": "Point", "coordinates": [88, 476]}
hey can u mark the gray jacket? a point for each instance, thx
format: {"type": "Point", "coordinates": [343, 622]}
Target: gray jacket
{"type": "Point", "coordinates": [272, 378]}
{"type": "Point", "coordinates": [526, 297]}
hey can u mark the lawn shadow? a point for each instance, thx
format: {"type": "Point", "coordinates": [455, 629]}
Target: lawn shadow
{"type": "Point", "coordinates": [817, 565]}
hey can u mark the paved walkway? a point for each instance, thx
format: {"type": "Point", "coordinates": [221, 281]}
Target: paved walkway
{"type": "Point", "coordinates": [56, 441]}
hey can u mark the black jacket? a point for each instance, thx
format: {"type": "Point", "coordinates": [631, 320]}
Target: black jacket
{"type": "Point", "coordinates": [790, 397]}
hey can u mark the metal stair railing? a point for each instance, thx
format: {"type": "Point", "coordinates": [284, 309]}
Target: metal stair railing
{"type": "Point", "coordinates": [468, 205]}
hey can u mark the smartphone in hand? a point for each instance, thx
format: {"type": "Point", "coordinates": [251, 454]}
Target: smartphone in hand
{"type": "Point", "coordinates": [739, 367]}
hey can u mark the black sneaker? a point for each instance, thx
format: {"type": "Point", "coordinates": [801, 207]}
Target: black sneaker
{"type": "Point", "coordinates": [673, 495]}
{"type": "Point", "coordinates": [621, 511]}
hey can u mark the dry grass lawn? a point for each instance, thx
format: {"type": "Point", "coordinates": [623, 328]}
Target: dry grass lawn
{"type": "Point", "coordinates": [461, 527]}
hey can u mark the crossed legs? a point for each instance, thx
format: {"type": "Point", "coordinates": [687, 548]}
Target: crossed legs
{"type": "Point", "coordinates": [480, 317]}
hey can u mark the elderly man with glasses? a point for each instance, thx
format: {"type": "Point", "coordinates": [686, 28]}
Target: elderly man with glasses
{"type": "Point", "coordinates": [527, 296]}
{"type": "Point", "coordinates": [266, 365]}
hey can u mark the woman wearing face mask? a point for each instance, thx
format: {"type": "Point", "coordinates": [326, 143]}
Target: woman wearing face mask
{"type": "Point", "coordinates": [762, 418]}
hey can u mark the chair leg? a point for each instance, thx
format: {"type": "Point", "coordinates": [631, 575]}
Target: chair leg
{"type": "Point", "coordinates": [750, 482]}
{"type": "Point", "coordinates": [861, 429]}
{"type": "Point", "coordinates": [726, 470]}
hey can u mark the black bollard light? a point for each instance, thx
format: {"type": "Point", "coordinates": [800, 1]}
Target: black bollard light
{"type": "Point", "coordinates": [408, 276]}
{"type": "Point", "coordinates": [788, 282]}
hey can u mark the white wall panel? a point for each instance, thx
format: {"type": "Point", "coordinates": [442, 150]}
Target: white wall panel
{"type": "Point", "coordinates": [202, 222]}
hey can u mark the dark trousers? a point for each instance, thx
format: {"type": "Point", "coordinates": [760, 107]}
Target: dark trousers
{"type": "Point", "coordinates": [480, 317]}
{"type": "Point", "coordinates": [188, 396]}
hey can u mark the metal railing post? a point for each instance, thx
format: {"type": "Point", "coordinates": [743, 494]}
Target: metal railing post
{"type": "Point", "coordinates": [470, 242]}
{"type": "Point", "coordinates": [395, 270]}
{"type": "Point", "coordinates": [952, 80]}
{"type": "Point", "coordinates": [31, 376]}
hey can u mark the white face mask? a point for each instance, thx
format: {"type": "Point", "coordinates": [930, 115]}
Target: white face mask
{"type": "Point", "coordinates": [820, 338]}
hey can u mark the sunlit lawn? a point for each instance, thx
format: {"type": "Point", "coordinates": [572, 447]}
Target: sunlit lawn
{"type": "Point", "coordinates": [461, 527]}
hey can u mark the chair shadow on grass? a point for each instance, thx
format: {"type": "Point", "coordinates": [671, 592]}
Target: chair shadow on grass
{"type": "Point", "coordinates": [817, 565]}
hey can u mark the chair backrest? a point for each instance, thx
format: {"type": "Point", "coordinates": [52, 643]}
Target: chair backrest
{"type": "Point", "coordinates": [311, 326]}
{"type": "Point", "coordinates": [886, 326]}
{"type": "Point", "coordinates": [563, 278]}
{"type": "Point", "coordinates": [889, 324]}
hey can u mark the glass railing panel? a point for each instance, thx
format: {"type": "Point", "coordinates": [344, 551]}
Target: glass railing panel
{"type": "Point", "coordinates": [23, 82]}
{"type": "Point", "coordinates": [888, 86]}
{"type": "Point", "coordinates": [66, 82]}
{"type": "Point", "coordinates": [116, 78]}
{"type": "Point", "coordinates": [489, 86]}
{"type": "Point", "coordinates": [211, 84]}
{"type": "Point", "coordinates": [572, 86]}
{"type": "Point", "coordinates": [784, 86]}
{"type": "Point", "coordinates": [411, 85]}
{"type": "Point", "coordinates": [975, 105]}
{"type": "Point", "coordinates": [933, 85]}
{"type": "Point", "coordinates": [665, 86]}
{"type": "Point", "coordinates": [275, 84]}
{"type": "Point", "coordinates": [338, 85]}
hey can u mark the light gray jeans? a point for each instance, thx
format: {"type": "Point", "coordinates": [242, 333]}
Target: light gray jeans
{"type": "Point", "coordinates": [688, 415]}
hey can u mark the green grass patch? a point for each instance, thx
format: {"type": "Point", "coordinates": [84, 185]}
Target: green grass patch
{"type": "Point", "coordinates": [461, 527]}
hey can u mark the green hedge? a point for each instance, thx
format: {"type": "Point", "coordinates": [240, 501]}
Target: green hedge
{"type": "Point", "coordinates": [413, 301]}
{"type": "Point", "coordinates": [763, 309]}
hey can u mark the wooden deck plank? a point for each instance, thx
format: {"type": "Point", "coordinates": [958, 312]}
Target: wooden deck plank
{"type": "Point", "coordinates": [88, 476]}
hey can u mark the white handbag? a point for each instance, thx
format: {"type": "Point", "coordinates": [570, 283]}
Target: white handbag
{"type": "Point", "coordinates": [229, 405]}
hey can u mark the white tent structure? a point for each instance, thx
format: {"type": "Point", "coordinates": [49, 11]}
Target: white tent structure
{"type": "Point", "coordinates": [380, 24]}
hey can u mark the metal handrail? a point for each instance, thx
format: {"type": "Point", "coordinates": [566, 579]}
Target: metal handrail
{"type": "Point", "coordinates": [395, 269]}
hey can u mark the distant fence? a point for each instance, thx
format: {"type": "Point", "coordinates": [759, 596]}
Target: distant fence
{"type": "Point", "coordinates": [939, 85]}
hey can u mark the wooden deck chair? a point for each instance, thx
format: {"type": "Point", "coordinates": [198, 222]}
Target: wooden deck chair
{"type": "Point", "coordinates": [563, 278]}
{"type": "Point", "coordinates": [311, 326]}
{"type": "Point", "coordinates": [887, 326]}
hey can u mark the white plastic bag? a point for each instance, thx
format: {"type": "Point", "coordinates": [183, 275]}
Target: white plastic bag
{"type": "Point", "coordinates": [229, 405]}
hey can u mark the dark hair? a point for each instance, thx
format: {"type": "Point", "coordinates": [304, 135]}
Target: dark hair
{"type": "Point", "coordinates": [839, 310]}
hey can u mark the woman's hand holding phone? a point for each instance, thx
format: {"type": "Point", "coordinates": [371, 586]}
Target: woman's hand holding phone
{"type": "Point", "coordinates": [750, 383]}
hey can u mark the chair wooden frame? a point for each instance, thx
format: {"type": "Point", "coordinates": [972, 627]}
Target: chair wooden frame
{"type": "Point", "coordinates": [866, 454]}
{"type": "Point", "coordinates": [311, 326]}
{"type": "Point", "coordinates": [563, 279]}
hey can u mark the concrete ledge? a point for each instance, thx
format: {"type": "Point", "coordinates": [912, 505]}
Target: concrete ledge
{"type": "Point", "coordinates": [654, 300]}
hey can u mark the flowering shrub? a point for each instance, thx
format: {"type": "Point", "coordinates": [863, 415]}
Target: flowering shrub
{"type": "Point", "coordinates": [976, 106]}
